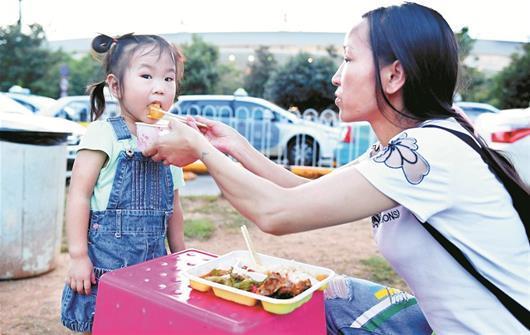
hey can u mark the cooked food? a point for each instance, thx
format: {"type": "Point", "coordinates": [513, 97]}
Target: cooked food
{"type": "Point", "coordinates": [274, 283]}
{"type": "Point", "coordinates": [155, 112]}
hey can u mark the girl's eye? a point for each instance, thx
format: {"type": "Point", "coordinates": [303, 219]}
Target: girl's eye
{"type": "Point", "coordinates": [169, 79]}
{"type": "Point", "coordinates": [347, 60]}
{"type": "Point", "coordinates": [146, 76]}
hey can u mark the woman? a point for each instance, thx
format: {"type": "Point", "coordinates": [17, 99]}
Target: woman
{"type": "Point", "coordinates": [399, 73]}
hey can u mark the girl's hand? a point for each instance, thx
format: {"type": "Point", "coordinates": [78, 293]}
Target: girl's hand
{"type": "Point", "coordinates": [180, 147]}
{"type": "Point", "coordinates": [224, 138]}
{"type": "Point", "coordinates": [81, 275]}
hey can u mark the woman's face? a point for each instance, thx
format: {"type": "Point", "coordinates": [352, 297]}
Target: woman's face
{"type": "Point", "coordinates": [355, 94]}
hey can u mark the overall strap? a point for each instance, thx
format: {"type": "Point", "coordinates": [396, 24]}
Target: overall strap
{"type": "Point", "coordinates": [120, 127]}
{"type": "Point", "coordinates": [516, 309]}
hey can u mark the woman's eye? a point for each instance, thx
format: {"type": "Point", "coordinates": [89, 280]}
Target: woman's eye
{"type": "Point", "coordinates": [169, 79]}
{"type": "Point", "coordinates": [146, 76]}
{"type": "Point", "coordinates": [347, 60]}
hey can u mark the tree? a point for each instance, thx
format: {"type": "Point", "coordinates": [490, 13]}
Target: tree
{"type": "Point", "coordinates": [230, 79]}
{"type": "Point", "coordinates": [83, 72]}
{"type": "Point", "coordinates": [304, 82]}
{"type": "Point", "coordinates": [512, 84]}
{"type": "Point", "coordinates": [260, 71]}
{"type": "Point", "coordinates": [25, 61]}
{"type": "Point", "coordinates": [201, 72]}
{"type": "Point", "coordinates": [472, 84]}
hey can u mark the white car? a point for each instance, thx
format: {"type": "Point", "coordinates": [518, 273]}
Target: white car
{"type": "Point", "coordinates": [475, 109]}
{"type": "Point", "coordinates": [33, 102]}
{"type": "Point", "coordinates": [15, 116]}
{"type": "Point", "coordinates": [509, 131]}
{"type": "Point", "coordinates": [274, 131]}
{"type": "Point", "coordinates": [77, 108]}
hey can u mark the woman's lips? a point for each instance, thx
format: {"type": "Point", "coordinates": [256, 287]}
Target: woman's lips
{"type": "Point", "coordinates": [338, 101]}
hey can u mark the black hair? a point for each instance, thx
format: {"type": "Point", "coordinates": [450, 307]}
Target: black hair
{"type": "Point", "coordinates": [423, 42]}
{"type": "Point", "coordinates": [116, 54]}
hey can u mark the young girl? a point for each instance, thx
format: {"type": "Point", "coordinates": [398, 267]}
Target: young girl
{"type": "Point", "coordinates": [431, 186]}
{"type": "Point", "coordinates": [120, 203]}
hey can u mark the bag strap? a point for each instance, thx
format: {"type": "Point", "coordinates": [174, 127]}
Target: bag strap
{"type": "Point", "coordinates": [516, 309]}
{"type": "Point", "coordinates": [520, 197]}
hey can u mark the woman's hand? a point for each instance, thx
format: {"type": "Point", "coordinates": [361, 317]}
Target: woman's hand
{"type": "Point", "coordinates": [223, 137]}
{"type": "Point", "coordinates": [81, 275]}
{"type": "Point", "coordinates": [180, 147]}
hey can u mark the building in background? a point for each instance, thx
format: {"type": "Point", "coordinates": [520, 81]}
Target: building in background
{"type": "Point", "coordinates": [238, 47]}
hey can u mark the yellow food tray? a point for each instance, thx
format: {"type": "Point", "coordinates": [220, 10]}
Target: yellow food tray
{"type": "Point", "coordinates": [272, 305]}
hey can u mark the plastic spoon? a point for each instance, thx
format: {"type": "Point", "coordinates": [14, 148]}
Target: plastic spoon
{"type": "Point", "coordinates": [156, 113]}
{"type": "Point", "coordinates": [253, 255]}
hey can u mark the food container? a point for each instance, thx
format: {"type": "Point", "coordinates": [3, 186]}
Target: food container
{"type": "Point", "coordinates": [272, 305]}
{"type": "Point", "coordinates": [148, 133]}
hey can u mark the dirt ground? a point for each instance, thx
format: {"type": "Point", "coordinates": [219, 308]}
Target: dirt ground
{"type": "Point", "coordinates": [32, 306]}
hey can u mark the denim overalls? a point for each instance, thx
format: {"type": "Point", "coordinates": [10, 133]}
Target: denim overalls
{"type": "Point", "coordinates": [131, 230]}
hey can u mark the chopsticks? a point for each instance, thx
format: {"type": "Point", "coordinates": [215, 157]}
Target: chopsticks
{"type": "Point", "coordinates": [182, 118]}
{"type": "Point", "coordinates": [250, 247]}
{"type": "Point", "coordinates": [155, 112]}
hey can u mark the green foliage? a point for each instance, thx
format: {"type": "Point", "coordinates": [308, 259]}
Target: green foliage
{"type": "Point", "coordinates": [201, 229]}
{"type": "Point", "coordinates": [260, 71]}
{"type": "Point", "coordinates": [381, 272]}
{"type": "Point", "coordinates": [302, 83]}
{"type": "Point", "coordinates": [83, 72]}
{"type": "Point", "coordinates": [201, 72]}
{"type": "Point", "coordinates": [230, 79]}
{"type": "Point", "coordinates": [465, 43]}
{"type": "Point", "coordinates": [25, 61]}
{"type": "Point", "coordinates": [470, 80]}
{"type": "Point", "coordinates": [512, 84]}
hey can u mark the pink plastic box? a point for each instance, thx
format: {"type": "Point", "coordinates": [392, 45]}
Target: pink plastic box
{"type": "Point", "coordinates": [154, 298]}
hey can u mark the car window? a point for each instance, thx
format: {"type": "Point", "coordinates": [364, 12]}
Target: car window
{"type": "Point", "coordinates": [79, 111]}
{"type": "Point", "coordinates": [213, 109]}
{"type": "Point", "coordinates": [254, 111]}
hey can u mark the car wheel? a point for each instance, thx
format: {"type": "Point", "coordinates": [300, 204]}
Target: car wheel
{"type": "Point", "coordinates": [302, 150]}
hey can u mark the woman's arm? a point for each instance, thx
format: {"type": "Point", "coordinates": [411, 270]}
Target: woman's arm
{"type": "Point", "coordinates": [175, 228]}
{"type": "Point", "coordinates": [229, 141]}
{"type": "Point", "coordinates": [340, 197]}
{"type": "Point", "coordinates": [85, 172]}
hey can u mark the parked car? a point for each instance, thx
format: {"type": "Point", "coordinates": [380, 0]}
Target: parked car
{"type": "Point", "coordinates": [474, 109]}
{"type": "Point", "coordinates": [77, 108]}
{"type": "Point", "coordinates": [274, 131]}
{"type": "Point", "coordinates": [33, 102]}
{"type": "Point", "coordinates": [356, 139]}
{"type": "Point", "coordinates": [509, 131]}
{"type": "Point", "coordinates": [14, 115]}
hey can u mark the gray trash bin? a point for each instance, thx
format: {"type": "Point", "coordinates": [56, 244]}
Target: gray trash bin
{"type": "Point", "coordinates": [32, 180]}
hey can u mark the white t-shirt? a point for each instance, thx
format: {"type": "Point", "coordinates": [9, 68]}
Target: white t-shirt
{"type": "Point", "coordinates": [436, 177]}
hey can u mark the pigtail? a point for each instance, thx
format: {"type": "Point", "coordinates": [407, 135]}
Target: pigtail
{"type": "Point", "coordinates": [97, 99]}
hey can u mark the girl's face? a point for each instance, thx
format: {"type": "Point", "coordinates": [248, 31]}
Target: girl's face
{"type": "Point", "coordinates": [150, 78]}
{"type": "Point", "coordinates": [355, 94]}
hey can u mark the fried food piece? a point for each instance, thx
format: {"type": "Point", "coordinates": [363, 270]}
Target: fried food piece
{"type": "Point", "coordinates": [155, 112]}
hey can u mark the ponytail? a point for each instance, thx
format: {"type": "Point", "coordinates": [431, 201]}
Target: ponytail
{"type": "Point", "coordinates": [97, 100]}
{"type": "Point", "coordinates": [501, 167]}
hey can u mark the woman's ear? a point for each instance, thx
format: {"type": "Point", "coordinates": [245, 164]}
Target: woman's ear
{"type": "Point", "coordinates": [114, 86]}
{"type": "Point", "coordinates": [393, 77]}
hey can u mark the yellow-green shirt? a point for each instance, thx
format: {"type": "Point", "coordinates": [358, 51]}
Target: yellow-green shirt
{"type": "Point", "coordinates": [100, 136]}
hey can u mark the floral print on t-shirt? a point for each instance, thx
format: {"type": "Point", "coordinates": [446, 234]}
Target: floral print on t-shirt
{"type": "Point", "coordinates": [401, 154]}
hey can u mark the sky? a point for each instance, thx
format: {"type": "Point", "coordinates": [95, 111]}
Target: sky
{"type": "Point", "coordinates": [506, 20]}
